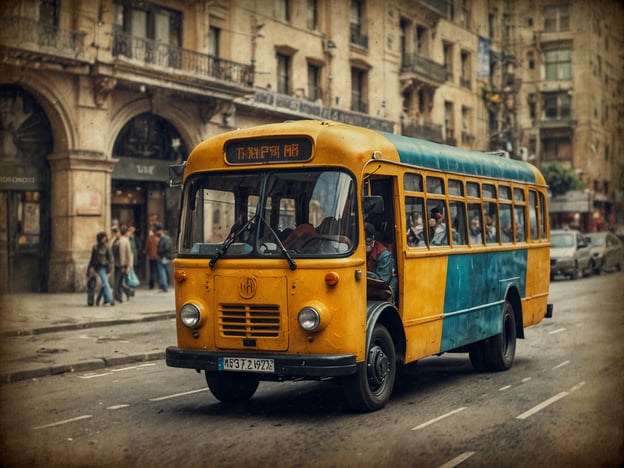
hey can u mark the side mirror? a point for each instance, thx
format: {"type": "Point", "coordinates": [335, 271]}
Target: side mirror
{"type": "Point", "coordinates": [176, 174]}
{"type": "Point", "coordinates": [373, 204]}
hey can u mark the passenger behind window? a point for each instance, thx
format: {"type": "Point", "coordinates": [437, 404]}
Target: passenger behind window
{"type": "Point", "coordinates": [437, 226]}
{"type": "Point", "coordinates": [475, 231]}
{"type": "Point", "coordinates": [415, 231]}
{"type": "Point", "coordinates": [506, 227]}
{"type": "Point", "coordinates": [490, 230]}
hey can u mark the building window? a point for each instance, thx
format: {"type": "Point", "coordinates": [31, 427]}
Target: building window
{"type": "Point", "coordinates": [557, 64]}
{"type": "Point", "coordinates": [465, 69]}
{"type": "Point", "coordinates": [213, 41]}
{"type": "Point", "coordinates": [314, 80]}
{"type": "Point", "coordinates": [556, 18]}
{"type": "Point", "coordinates": [449, 126]}
{"type": "Point", "coordinates": [358, 90]}
{"type": "Point", "coordinates": [467, 136]}
{"type": "Point", "coordinates": [283, 74]}
{"type": "Point", "coordinates": [491, 25]}
{"type": "Point", "coordinates": [356, 16]}
{"type": "Point", "coordinates": [312, 15]}
{"type": "Point", "coordinates": [448, 60]}
{"type": "Point", "coordinates": [556, 105]}
{"type": "Point", "coordinates": [420, 40]}
{"type": "Point", "coordinates": [282, 10]}
{"type": "Point", "coordinates": [557, 149]}
{"type": "Point", "coordinates": [148, 21]}
{"type": "Point", "coordinates": [464, 13]}
{"type": "Point", "coordinates": [49, 12]}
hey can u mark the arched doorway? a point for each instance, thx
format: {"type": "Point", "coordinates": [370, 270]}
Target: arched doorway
{"type": "Point", "coordinates": [25, 143]}
{"type": "Point", "coordinates": [146, 147]}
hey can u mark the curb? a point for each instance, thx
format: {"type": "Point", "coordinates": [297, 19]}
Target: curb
{"type": "Point", "coordinates": [80, 326]}
{"type": "Point", "coordinates": [92, 364]}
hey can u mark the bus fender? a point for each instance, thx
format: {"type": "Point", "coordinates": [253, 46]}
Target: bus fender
{"type": "Point", "coordinates": [386, 313]}
{"type": "Point", "coordinates": [513, 296]}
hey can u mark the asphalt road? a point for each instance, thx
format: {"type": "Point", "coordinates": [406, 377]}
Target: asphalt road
{"type": "Point", "coordinates": [561, 404]}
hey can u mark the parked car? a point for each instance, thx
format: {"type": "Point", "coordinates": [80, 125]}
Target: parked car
{"type": "Point", "coordinates": [607, 251]}
{"type": "Point", "coordinates": [569, 254]}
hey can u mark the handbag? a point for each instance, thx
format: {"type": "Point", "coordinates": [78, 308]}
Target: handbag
{"type": "Point", "coordinates": [132, 280]}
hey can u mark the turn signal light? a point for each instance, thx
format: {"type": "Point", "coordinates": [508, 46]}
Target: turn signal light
{"type": "Point", "coordinates": [332, 278]}
{"type": "Point", "coordinates": [179, 276]}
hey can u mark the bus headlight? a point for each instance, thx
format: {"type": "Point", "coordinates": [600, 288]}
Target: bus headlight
{"type": "Point", "coordinates": [313, 318]}
{"type": "Point", "coordinates": [190, 315]}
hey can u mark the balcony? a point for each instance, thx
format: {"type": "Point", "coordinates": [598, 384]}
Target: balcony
{"type": "Point", "coordinates": [557, 123]}
{"type": "Point", "coordinates": [33, 41]}
{"type": "Point", "coordinates": [357, 37]}
{"type": "Point", "coordinates": [150, 52]}
{"type": "Point", "coordinates": [419, 127]}
{"type": "Point", "coordinates": [423, 69]}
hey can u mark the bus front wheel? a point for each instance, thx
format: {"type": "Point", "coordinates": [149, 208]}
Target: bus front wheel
{"type": "Point", "coordinates": [370, 388]}
{"type": "Point", "coordinates": [230, 387]}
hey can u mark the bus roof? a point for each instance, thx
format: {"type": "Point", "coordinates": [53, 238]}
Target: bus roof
{"type": "Point", "coordinates": [445, 158]}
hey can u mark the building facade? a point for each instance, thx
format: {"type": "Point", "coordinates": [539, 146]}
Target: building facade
{"type": "Point", "coordinates": [99, 98]}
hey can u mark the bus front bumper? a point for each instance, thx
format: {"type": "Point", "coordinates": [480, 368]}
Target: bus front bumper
{"type": "Point", "coordinates": [292, 366]}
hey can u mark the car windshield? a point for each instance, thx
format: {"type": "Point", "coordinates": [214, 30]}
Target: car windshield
{"type": "Point", "coordinates": [562, 240]}
{"type": "Point", "coordinates": [304, 213]}
{"type": "Point", "coordinates": [596, 240]}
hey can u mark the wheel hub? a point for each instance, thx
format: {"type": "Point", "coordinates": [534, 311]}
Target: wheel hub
{"type": "Point", "coordinates": [378, 366]}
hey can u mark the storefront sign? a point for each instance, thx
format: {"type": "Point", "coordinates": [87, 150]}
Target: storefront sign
{"type": "Point", "coordinates": [142, 169]}
{"type": "Point", "coordinates": [21, 178]}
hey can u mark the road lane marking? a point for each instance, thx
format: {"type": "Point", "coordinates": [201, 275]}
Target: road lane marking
{"type": "Point", "coordinates": [439, 418]}
{"type": "Point", "coordinates": [526, 379]}
{"type": "Point", "coordinates": [92, 376]}
{"type": "Point", "coordinates": [115, 407]}
{"type": "Point", "coordinates": [133, 367]}
{"type": "Point", "coordinates": [564, 363]}
{"type": "Point", "coordinates": [558, 330]}
{"type": "Point", "coordinates": [175, 395]}
{"type": "Point", "coordinates": [65, 421]}
{"type": "Point", "coordinates": [550, 401]}
{"type": "Point", "coordinates": [457, 460]}
{"type": "Point", "coordinates": [504, 388]}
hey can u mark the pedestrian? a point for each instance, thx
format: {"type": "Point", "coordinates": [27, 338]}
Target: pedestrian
{"type": "Point", "coordinates": [151, 250]}
{"type": "Point", "coordinates": [165, 253]}
{"type": "Point", "coordinates": [122, 253]}
{"type": "Point", "coordinates": [102, 263]}
{"type": "Point", "coordinates": [134, 244]}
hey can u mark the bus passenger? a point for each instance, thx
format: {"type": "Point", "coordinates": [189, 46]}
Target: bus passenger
{"type": "Point", "coordinates": [437, 227]}
{"type": "Point", "coordinates": [490, 229]}
{"type": "Point", "coordinates": [378, 257]}
{"type": "Point", "coordinates": [506, 228]}
{"type": "Point", "coordinates": [475, 231]}
{"type": "Point", "coordinates": [415, 230]}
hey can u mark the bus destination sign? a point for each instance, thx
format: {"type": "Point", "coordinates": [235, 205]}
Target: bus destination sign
{"type": "Point", "coordinates": [268, 150]}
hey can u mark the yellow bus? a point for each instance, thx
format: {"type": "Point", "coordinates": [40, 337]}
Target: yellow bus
{"type": "Point", "coordinates": [278, 224]}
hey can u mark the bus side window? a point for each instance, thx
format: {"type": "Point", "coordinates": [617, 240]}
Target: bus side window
{"type": "Point", "coordinates": [520, 223]}
{"type": "Point", "coordinates": [475, 225]}
{"type": "Point", "coordinates": [533, 214]}
{"type": "Point", "coordinates": [505, 223]}
{"type": "Point", "coordinates": [438, 234]}
{"type": "Point", "coordinates": [458, 225]}
{"type": "Point", "coordinates": [491, 226]}
{"type": "Point", "coordinates": [415, 229]}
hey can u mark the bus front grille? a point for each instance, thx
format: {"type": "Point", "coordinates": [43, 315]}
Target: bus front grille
{"type": "Point", "coordinates": [249, 321]}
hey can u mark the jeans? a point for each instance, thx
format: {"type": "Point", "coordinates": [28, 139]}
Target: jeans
{"type": "Point", "coordinates": [163, 276]}
{"type": "Point", "coordinates": [108, 295]}
{"type": "Point", "coordinates": [153, 273]}
{"type": "Point", "coordinates": [120, 285]}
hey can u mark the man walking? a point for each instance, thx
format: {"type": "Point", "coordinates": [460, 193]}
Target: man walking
{"type": "Point", "coordinates": [165, 253]}
{"type": "Point", "coordinates": [151, 250]}
{"type": "Point", "coordinates": [122, 252]}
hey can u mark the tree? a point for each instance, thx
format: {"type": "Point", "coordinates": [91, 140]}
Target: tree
{"type": "Point", "coordinates": [561, 179]}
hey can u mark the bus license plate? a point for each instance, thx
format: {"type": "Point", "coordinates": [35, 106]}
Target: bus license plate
{"type": "Point", "coordinates": [242, 364]}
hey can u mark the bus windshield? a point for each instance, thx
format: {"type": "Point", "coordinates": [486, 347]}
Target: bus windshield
{"type": "Point", "coordinates": [269, 214]}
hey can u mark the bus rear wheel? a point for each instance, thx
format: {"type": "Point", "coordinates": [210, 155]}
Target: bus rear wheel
{"type": "Point", "coordinates": [230, 387]}
{"type": "Point", "coordinates": [497, 353]}
{"type": "Point", "coordinates": [371, 387]}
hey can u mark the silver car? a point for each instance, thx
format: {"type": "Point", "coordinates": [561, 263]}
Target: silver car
{"type": "Point", "coordinates": [606, 251]}
{"type": "Point", "coordinates": [569, 254]}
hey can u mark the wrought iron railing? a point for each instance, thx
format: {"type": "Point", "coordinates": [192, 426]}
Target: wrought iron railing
{"type": "Point", "coordinates": [415, 63]}
{"type": "Point", "coordinates": [26, 31]}
{"type": "Point", "coordinates": [168, 56]}
{"type": "Point", "coordinates": [419, 127]}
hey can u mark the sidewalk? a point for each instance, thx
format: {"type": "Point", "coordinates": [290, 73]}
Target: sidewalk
{"type": "Point", "coordinates": [46, 333]}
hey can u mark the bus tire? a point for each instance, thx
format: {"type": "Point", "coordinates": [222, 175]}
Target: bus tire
{"type": "Point", "coordinates": [476, 352]}
{"type": "Point", "coordinates": [500, 350]}
{"type": "Point", "coordinates": [371, 390]}
{"type": "Point", "coordinates": [232, 388]}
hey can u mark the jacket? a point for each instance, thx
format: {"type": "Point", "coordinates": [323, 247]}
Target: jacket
{"type": "Point", "coordinates": [122, 252]}
{"type": "Point", "coordinates": [101, 256]}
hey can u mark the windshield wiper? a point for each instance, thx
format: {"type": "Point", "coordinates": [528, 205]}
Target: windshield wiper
{"type": "Point", "coordinates": [291, 262]}
{"type": "Point", "coordinates": [230, 240]}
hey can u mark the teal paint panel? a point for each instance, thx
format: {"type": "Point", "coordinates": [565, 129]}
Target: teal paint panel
{"type": "Point", "coordinates": [475, 290]}
{"type": "Point", "coordinates": [426, 154]}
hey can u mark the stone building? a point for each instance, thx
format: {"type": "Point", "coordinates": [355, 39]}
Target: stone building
{"type": "Point", "coordinates": [97, 98]}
